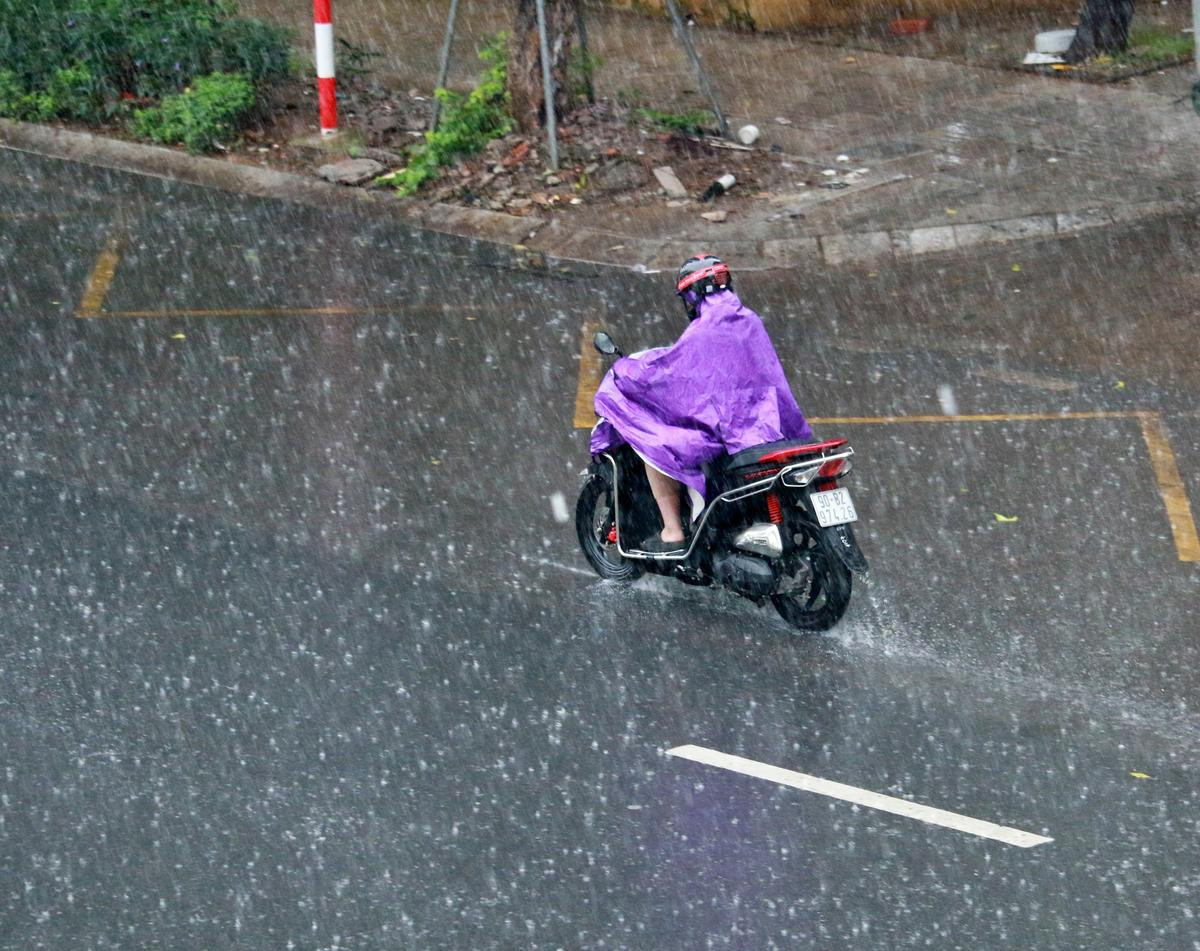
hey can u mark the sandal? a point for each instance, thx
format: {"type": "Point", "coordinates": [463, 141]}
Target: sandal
{"type": "Point", "coordinates": [654, 545]}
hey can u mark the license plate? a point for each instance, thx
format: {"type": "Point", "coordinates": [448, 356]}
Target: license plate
{"type": "Point", "coordinates": [833, 507]}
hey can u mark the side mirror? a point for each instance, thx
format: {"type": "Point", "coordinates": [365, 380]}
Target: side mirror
{"type": "Point", "coordinates": [604, 343]}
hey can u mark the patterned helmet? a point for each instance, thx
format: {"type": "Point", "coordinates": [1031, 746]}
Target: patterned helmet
{"type": "Point", "coordinates": [701, 275]}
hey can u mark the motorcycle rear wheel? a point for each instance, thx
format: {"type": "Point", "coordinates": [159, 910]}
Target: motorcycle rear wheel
{"type": "Point", "coordinates": [593, 518]}
{"type": "Point", "coordinates": [820, 605]}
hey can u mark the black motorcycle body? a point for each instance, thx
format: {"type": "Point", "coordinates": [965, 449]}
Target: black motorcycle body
{"type": "Point", "coordinates": [775, 526]}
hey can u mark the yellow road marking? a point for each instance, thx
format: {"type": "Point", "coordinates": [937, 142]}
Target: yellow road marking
{"type": "Point", "coordinates": [590, 375]}
{"type": "Point", "coordinates": [976, 418]}
{"type": "Point", "coordinates": [1154, 431]}
{"type": "Point", "coordinates": [249, 312]}
{"type": "Point", "coordinates": [332, 310]}
{"type": "Point", "coordinates": [100, 278]}
{"type": "Point", "coordinates": [1170, 487]}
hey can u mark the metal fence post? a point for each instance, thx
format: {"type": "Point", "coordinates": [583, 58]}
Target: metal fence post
{"type": "Point", "coordinates": [444, 64]}
{"type": "Point", "coordinates": [547, 85]}
{"type": "Point", "coordinates": [682, 31]}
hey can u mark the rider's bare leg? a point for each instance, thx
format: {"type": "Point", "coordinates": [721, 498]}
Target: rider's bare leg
{"type": "Point", "coordinates": [666, 494]}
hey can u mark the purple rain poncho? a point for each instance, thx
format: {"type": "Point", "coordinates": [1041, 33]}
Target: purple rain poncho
{"type": "Point", "coordinates": [719, 389]}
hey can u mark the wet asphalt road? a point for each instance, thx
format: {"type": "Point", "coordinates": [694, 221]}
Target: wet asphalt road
{"type": "Point", "coordinates": [297, 655]}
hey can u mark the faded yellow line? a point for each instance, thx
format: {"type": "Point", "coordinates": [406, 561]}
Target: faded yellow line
{"type": "Point", "coordinates": [1154, 431]}
{"type": "Point", "coordinates": [99, 280]}
{"type": "Point", "coordinates": [976, 418]}
{"type": "Point", "coordinates": [590, 375]}
{"type": "Point", "coordinates": [1170, 487]}
{"type": "Point", "coordinates": [329, 311]}
{"type": "Point", "coordinates": [245, 312]}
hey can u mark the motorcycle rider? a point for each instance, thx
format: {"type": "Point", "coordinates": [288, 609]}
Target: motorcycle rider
{"type": "Point", "coordinates": [720, 388]}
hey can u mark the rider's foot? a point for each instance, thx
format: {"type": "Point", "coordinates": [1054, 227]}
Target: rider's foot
{"type": "Point", "coordinates": [656, 545]}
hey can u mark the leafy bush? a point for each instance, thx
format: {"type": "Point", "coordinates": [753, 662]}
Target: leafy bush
{"type": "Point", "coordinates": [68, 92]}
{"type": "Point", "coordinates": [199, 116]}
{"type": "Point", "coordinates": [93, 53]}
{"type": "Point", "coordinates": [692, 122]}
{"type": "Point", "coordinates": [467, 123]}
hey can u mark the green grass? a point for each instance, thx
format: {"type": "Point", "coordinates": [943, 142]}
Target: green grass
{"type": "Point", "coordinates": [1149, 45]}
{"type": "Point", "coordinates": [692, 122]}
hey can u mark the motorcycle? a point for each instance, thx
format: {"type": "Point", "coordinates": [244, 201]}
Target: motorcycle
{"type": "Point", "coordinates": [776, 525]}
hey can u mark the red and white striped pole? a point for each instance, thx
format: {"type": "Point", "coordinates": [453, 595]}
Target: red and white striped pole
{"type": "Point", "coordinates": [326, 84]}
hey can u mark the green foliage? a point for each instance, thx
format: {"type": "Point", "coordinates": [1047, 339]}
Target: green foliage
{"type": "Point", "coordinates": [692, 122]}
{"type": "Point", "coordinates": [69, 92]}
{"type": "Point", "coordinates": [199, 116]}
{"type": "Point", "coordinates": [119, 48]}
{"type": "Point", "coordinates": [1150, 45]}
{"type": "Point", "coordinates": [467, 123]}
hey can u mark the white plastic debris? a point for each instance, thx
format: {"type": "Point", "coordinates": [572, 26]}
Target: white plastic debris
{"type": "Point", "coordinates": [1041, 59]}
{"type": "Point", "coordinates": [843, 158]}
{"type": "Point", "coordinates": [829, 172]}
{"type": "Point", "coordinates": [558, 506]}
{"type": "Point", "coordinates": [748, 134]}
{"type": "Point", "coordinates": [1053, 41]}
{"type": "Point", "coordinates": [949, 403]}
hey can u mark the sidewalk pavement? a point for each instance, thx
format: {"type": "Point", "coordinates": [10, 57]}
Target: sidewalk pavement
{"type": "Point", "coordinates": [955, 155]}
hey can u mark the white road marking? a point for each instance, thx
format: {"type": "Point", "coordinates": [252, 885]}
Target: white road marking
{"type": "Point", "coordinates": [545, 562]}
{"type": "Point", "coordinates": [860, 797]}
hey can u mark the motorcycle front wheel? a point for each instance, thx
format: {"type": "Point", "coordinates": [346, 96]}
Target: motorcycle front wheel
{"type": "Point", "coordinates": [594, 521]}
{"type": "Point", "coordinates": [820, 603]}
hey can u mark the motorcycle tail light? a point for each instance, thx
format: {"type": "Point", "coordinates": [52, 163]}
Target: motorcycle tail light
{"type": "Point", "coordinates": [833, 468]}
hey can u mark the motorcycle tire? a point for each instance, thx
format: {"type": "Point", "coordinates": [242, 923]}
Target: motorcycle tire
{"type": "Point", "coordinates": [593, 519]}
{"type": "Point", "coordinates": [822, 605]}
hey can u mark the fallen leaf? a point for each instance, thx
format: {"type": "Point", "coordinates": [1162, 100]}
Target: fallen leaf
{"type": "Point", "coordinates": [1007, 518]}
{"type": "Point", "coordinates": [850, 59]}
{"type": "Point", "coordinates": [435, 462]}
{"type": "Point", "coordinates": [952, 211]}
{"type": "Point", "coordinates": [472, 317]}
{"type": "Point", "coordinates": [1136, 775]}
{"type": "Point", "coordinates": [1119, 385]}
{"type": "Point", "coordinates": [517, 155]}
{"type": "Point", "coordinates": [1016, 268]}
{"type": "Point", "coordinates": [179, 336]}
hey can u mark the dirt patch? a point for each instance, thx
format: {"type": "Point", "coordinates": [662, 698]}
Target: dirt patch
{"type": "Point", "coordinates": [607, 155]}
{"type": "Point", "coordinates": [1000, 40]}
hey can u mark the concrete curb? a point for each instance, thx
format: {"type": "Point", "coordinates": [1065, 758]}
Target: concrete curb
{"type": "Point", "coordinates": [557, 240]}
{"type": "Point", "coordinates": [153, 160]}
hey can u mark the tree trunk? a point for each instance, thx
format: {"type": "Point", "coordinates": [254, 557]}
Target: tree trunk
{"type": "Point", "coordinates": [525, 61]}
{"type": "Point", "coordinates": [1103, 28]}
